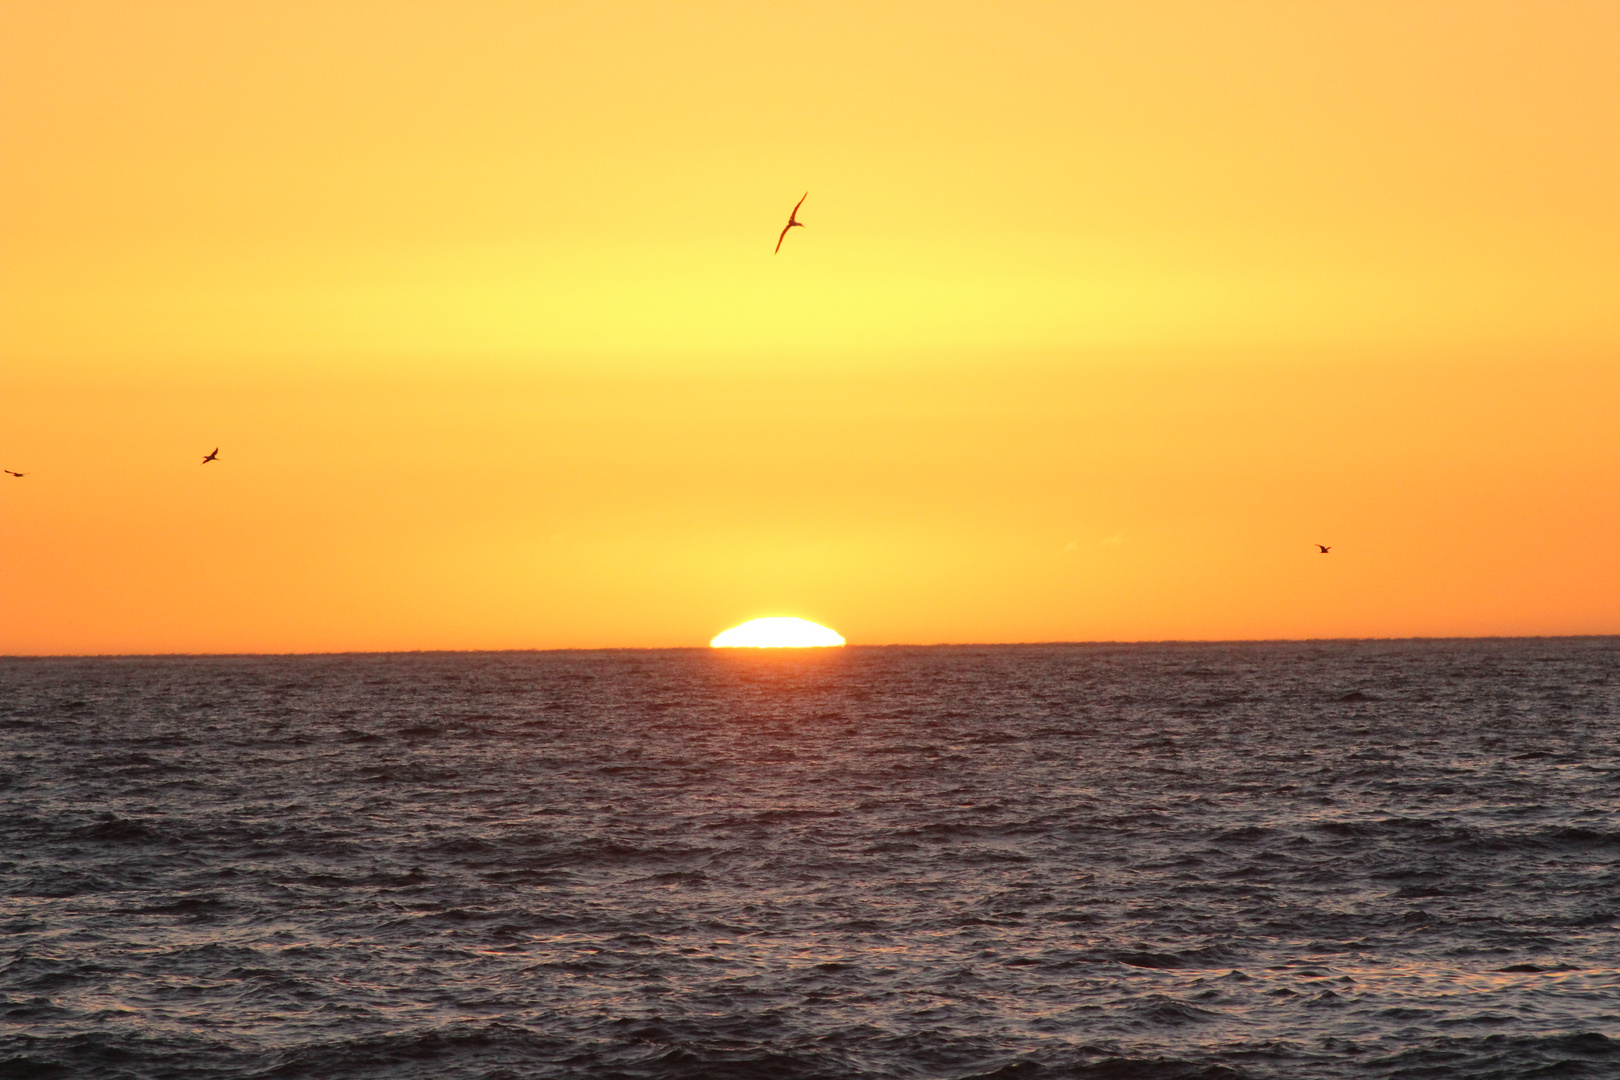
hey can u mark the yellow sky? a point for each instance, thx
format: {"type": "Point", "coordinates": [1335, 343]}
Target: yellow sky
{"type": "Point", "coordinates": [1103, 316]}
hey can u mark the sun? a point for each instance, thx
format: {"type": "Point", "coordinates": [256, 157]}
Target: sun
{"type": "Point", "coordinates": [776, 633]}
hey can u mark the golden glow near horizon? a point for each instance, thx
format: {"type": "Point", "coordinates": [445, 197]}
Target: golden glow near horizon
{"type": "Point", "coordinates": [1102, 317]}
{"type": "Point", "coordinates": [777, 632]}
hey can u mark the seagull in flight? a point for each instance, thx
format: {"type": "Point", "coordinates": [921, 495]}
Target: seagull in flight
{"type": "Point", "coordinates": [18, 475]}
{"type": "Point", "coordinates": [793, 219]}
{"type": "Point", "coordinates": [213, 456]}
{"type": "Point", "coordinates": [1325, 548]}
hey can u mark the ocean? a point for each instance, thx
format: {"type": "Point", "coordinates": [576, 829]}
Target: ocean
{"type": "Point", "coordinates": [1368, 859]}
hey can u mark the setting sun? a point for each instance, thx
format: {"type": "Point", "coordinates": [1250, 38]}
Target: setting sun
{"type": "Point", "coordinates": [776, 633]}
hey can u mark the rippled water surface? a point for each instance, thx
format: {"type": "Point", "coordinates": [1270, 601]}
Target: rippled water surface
{"type": "Point", "coordinates": [1353, 859]}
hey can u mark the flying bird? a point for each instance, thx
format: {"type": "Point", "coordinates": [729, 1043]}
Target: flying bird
{"type": "Point", "coordinates": [213, 456]}
{"type": "Point", "coordinates": [18, 475]}
{"type": "Point", "coordinates": [793, 219]}
{"type": "Point", "coordinates": [1325, 548]}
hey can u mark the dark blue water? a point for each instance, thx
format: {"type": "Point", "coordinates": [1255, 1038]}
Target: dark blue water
{"type": "Point", "coordinates": [1323, 860]}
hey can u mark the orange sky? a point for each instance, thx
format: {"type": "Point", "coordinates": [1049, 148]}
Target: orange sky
{"type": "Point", "coordinates": [1103, 316]}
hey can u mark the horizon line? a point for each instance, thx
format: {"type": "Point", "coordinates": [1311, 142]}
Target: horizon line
{"type": "Point", "coordinates": [794, 651]}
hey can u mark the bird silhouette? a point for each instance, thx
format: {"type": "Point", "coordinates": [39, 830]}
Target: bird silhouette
{"type": "Point", "coordinates": [213, 456]}
{"type": "Point", "coordinates": [1325, 548]}
{"type": "Point", "coordinates": [18, 475]}
{"type": "Point", "coordinates": [793, 219]}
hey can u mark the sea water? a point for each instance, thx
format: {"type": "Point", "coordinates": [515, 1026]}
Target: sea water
{"type": "Point", "coordinates": [1290, 860]}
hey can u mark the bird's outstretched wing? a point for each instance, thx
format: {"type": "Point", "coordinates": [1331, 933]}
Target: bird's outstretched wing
{"type": "Point", "coordinates": [795, 214]}
{"type": "Point", "coordinates": [779, 239]}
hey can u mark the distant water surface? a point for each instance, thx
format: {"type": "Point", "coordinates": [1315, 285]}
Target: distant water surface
{"type": "Point", "coordinates": [1318, 860]}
